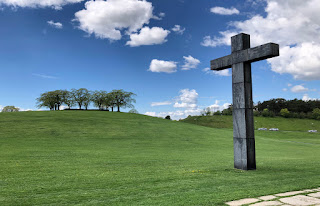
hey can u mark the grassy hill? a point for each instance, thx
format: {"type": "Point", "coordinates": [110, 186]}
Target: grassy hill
{"type": "Point", "coordinates": [284, 124]}
{"type": "Point", "coordinates": [104, 158]}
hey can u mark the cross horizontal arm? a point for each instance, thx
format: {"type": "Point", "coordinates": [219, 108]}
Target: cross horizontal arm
{"type": "Point", "coordinates": [249, 55]}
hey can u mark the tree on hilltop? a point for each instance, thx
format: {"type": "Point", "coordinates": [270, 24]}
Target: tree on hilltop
{"type": "Point", "coordinates": [47, 99]}
{"type": "Point", "coordinates": [109, 101]}
{"type": "Point", "coordinates": [99, 98]}
{"type": "Point", "coordinates": [123, 99]}
{"type": "Point", "coordinates": [10, 109]}
{"type": "Point", "coordinates": [81, 96]}
{"type": "Point", "coordinates": [67, 98]}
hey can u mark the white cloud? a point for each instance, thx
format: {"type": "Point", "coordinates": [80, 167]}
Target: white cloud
{"type": "Point", "coordinates": [187, 104]}
{"type": "Point", "coordinates": [1, 107]}
{"type": "Point", "coordinates": [178, 29]}
{"type": "Point", "coordinates": [56, 4]}
{"type": "Point", "coordinates": [147, 36]}
{"type": "Point", "coordinates": [163, 66]}
{"type": "Point", "coordinates": [302, 61]}
{"type": "Point", "coordinates": [45, 76]}
{"type": "Point", "coordinates": [57, 25]}
{"type": "Point", "coordinates": [295, 25]}
{"type": "Point", "coordinates": [284, 89]}
{"type": "Point", "coordinates": [299, 88]}
{"type": "Point", "coordinates": [187, 99]}
{"type": "Point", "coordinates": [289, 85]}
{"type": "Point", "coordinates": [217, 107]}
{"type": "Point", "coordinates": [190, 63]}
{"type": "Point", "coordinates": [176, 115]}
{"type": "Point", "coordinates": [225, 72]}
{"type": "Point", "coordinates": [161, 15]}
{"type": "Point", "coordinates": [153, 114]}
{"type": "Point", "coordinates": [106, 19]}
{"type": "Point", "coordinates": [154, 104]}
{"type": "Point", "coordinates": [224, 11]}
{"type": "Point", "coordinates": [225, 39]}
{"type": "Point", "coordinates": [307, 98]}
{"type": "Point", "coordinates": [24, 110]}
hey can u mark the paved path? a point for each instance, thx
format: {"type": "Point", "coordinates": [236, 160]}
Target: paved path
{"type": "Point", "coordinates": [300, 198]}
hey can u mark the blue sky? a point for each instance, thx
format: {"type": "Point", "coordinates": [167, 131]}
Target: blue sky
{"type": "Point", "coordinates": [157, 49]}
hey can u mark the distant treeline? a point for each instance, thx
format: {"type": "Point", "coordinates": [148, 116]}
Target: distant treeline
{"type": "Point", "coordinates": [82, 98]}
{"type": "Point", "coordinates": [295, 108]}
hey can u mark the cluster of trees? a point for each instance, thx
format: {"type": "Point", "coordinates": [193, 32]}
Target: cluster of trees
{"type": "Point", "coordinates": [82, 98]}
{"type": "Point", "coordinates": [295, 108]}
{"type": "Point", "coordinates": [279, 107]}
{"type": "Point", "coordinates": [208, 112]}
{"type": "Point", "coordinates": [315, 114]}
{"type": "Point", "coordinates": [10, 109]}
{"type": "Point", "coordinates": [295, 105]}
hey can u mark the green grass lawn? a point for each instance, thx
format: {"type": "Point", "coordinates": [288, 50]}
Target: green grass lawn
{"type": "Point", "coordinates": [104, 158]}
{"type": "Point", "coordinates": [284, 124]}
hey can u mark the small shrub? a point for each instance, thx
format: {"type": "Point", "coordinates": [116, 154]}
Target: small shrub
{"type": "Point", "coordinates": [256, 113]}
{"type": "Point", "coordinates": [265, 113]}
{"type": "Point", "coordinates": [294, 115]}
{"type": "Point", "coordinates": [217, 113]}
{"type": "Point", "coordinates": [302, 115]}
{"type": "Point", "coordinates": [316, 113]}
{"type": "Point", "coordinates": [285, 113]}
{"type": "Point", "coordinates": [227, 111]}
{"type": "Point", "coordinates": [133, 111]}
{"type": "Point", "coordinates": [10, 109]}
{"type": "Point", "coordinates": [168, 117]}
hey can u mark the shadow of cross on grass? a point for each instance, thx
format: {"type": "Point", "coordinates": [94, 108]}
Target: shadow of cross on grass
{"type": "Point", "coordinates": [240, 61]}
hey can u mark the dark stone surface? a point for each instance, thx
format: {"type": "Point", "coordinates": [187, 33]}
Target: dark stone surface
{"type": "Point", "coordinates": [249, 55]}
{"type": "Point", "coordinates": [244, 153]}
{"type": "Point", "coordinates": [243, 126]}
{"type": "Point", "coordinates": [240, 42]}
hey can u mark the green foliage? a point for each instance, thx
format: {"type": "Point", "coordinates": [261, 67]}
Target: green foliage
{"type": "Point", "coordinates": [168, 117]}
{"type": "Point", "coordinates": [294, 106]}
{"type": "Point", "coordinates": [256, 113]}
{"type": "Point", "coordinates": [67, 98]}
{"type": "Point", "coordinates": [99, 99]}
{"type": "Point", "coordinates": [227, 111]}
{"type": "Point", "coordinates": [133, 111]}
{"type": "Point", "coordinates": [48, 99]}
{"type": "Point", "coordinates": [122, 99]}
{"type": "Point", "coordinates": [285, 113]}
{"type": "Point", "coordinates": [83, 97]}
{"type": "Point", "coordinates": [316, 113]}
{"type": "Point", "coordinates": [302, 115]}
{"type": "Point", "coordinates": [267, 113]}
{"type": "Point", "coordinates": [105, 158]}
{"type": "Point", "coordinates": [206, 112]}
{"type": "Point", "coordinates": [217, 113]}
{"type": "Point", "coordinates": [10, 109]}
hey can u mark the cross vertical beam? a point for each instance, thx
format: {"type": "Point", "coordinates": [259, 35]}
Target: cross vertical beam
{"type": "Point", "coordinates": [240, 61]}
{"type": "Point", "coordinates": [243, 126]}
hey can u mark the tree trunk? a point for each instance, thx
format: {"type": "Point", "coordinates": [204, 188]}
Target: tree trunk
{"type": "Point", "coordinates": [118, 108]}
{"type": "Point", "coordinates": [112, 108]}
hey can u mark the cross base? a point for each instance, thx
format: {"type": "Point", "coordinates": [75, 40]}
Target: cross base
{"type": "Point", "coordinates": [244, 153]}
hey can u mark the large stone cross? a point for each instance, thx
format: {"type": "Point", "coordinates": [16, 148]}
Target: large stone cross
{"type": "Point", "coordinates": [240, 61]}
